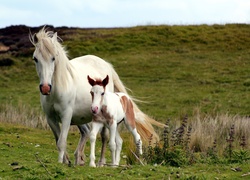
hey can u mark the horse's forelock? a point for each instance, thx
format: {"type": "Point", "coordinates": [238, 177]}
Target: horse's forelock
{"type": "Point", "coordinates": [43, 43]}
{"type": "Point", "coordinates": [47, 48]}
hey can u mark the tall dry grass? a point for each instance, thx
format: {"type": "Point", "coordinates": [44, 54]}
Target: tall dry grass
{"type": "Point", "coordinates": [209, 130]}
{"type": "Point", "coordinates": [206, 128]}
{"type": "Point", "coordinates": [23, 115]}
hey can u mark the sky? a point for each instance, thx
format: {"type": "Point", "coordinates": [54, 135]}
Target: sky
{"type": "Point", "coordinates": [122, 13]}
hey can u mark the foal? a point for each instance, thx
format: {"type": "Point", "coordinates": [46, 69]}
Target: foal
{"type": "Point", "coordinates": [109, 109]}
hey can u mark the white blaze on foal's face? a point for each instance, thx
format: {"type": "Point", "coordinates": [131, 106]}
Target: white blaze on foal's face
{"type": "Point", "coordinates": [97, 93]}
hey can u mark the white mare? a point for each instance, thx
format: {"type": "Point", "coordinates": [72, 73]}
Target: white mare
{"type": "Point", "coordinates": [110, 109]}
{"type": "Point", "coordinates": [65, 96]}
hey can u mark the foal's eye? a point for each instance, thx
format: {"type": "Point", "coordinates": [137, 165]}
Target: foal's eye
{"type": "Point", "coordinates": [53, 59]}
{"type": "Point", "coordinates": [35, 59]}
{"type": "Point", "coordinates": [102, 94]}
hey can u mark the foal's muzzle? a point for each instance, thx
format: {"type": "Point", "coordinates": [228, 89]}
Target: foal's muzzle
{"type": "Point", "coordinates": [94, 109]}
{"type": "Point", "coordinates": [45, 89]}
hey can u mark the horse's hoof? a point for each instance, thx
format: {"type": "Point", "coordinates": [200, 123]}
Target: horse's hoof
{"type": "Point", "coordinates": [80, 163]}
{"type": "Point", "coordinates": [101, 164]}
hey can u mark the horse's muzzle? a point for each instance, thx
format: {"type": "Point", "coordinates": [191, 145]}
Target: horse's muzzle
{"type": "Point", "coordinates": [45, 89]}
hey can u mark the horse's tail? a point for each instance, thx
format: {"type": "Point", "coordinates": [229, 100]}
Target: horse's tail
{"type": "Point", "coordinates": [143, 122]}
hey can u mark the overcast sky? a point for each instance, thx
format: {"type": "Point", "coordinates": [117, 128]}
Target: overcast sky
{"type": "Point", "coordinates": [122, 13]}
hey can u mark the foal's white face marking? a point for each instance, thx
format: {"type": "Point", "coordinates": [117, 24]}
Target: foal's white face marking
{"type": "Point", "coordinates": [97, 92]}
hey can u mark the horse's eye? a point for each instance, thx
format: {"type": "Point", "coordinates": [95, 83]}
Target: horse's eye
{"type": "Point", "coordinates": [53, 59]}
{"type": "Point", "coordinates": [102, 94]}
{"type": "Point", "coordinates": [35, 59]}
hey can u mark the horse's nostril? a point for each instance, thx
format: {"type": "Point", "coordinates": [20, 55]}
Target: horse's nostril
{"type": "Point", "coordinates": [45, 89]}
{"type": "Point", "coordinates": [40, 87]}
{"type": "Point", "coordinates": [50, 87]}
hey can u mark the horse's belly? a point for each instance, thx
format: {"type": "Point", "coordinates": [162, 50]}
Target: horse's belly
{"type": "Point", "coordinates": [81, 119]}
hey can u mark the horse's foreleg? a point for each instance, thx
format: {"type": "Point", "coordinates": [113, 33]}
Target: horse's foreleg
{"type": "Point", "coordinates": [94, 130]}
{"type": "Point", "coordinates": [104, 136]}
{"type": "Point", "coordinates": [119, 142]}
{"type": "Point", "coordinates": [54, 125]}
{"type": "Point", "coordinates": [79, 154]}
{"type": "Point", "coordinates": [62, 141]}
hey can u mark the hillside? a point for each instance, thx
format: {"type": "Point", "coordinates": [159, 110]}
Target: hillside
{"type": "Point", "coordinates": [176, 69]}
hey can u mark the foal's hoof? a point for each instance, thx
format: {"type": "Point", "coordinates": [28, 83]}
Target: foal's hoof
{"type": "Point", "coordinates": [114, 165]}
{"type": "Point", "coordinates": [92, 165]}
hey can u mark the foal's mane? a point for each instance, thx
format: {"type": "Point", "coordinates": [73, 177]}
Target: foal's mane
{"type": "Point", "coordinates": [98, 82]}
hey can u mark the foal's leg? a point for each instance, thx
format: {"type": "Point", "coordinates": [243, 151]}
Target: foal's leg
{"type": "Point", "coordinates": [137, 137]}
{"type": "Point", "coordinates": [94, 130]}
{"type": "Point", "coordinates": [112, 144]}
{"type": "Point", "coordinates": [104, 136]}
{"type": "Point", "coordinates": [79, 154]}
{"type": "Point", "coordinates": [119, 142]}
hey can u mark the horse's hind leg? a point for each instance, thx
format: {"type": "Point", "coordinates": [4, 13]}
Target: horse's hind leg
{"type": "Point", "coordinates": [104, 136]}
{"type": "Point", "coordinates": [79, 154]}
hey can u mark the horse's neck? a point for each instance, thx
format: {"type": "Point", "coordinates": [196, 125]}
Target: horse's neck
{"type": "Point", "coordinates": [63, 74]}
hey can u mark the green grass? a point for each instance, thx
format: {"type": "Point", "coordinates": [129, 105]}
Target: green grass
{"type": "Point", "coordinates": [174, 68]}
{"type": "Point", "coordinates": [28, 153]}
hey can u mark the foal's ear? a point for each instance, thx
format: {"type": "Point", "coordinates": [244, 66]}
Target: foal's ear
{"type": "Point", "coordinates": [91, 81]}
{"type": "Point", "coordinates": [105, 81]}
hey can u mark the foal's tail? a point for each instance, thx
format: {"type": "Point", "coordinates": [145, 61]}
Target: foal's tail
{"type": "Point", "coordinates": [143, 122]}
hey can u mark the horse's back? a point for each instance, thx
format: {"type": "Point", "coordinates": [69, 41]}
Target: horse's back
{"type": "Point", "coordinates": [90, 61]}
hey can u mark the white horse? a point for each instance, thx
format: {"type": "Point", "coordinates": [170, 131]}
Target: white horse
{"type": "Point", "coordinates": [109, 109]}
{"type": "Point", "coordinates": [65, 96]}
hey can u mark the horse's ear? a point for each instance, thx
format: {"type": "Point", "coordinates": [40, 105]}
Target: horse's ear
{"type": "Point", "coordinates": [35, 39]}
{"type": "Point", "coordinates": [54, 38]}
{"type": "Point", "coordinates": [105, 81]}
{"type": "Point", "coordinates": [91, 81]}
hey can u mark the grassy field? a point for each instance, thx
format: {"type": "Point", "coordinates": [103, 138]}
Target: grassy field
{"type": "Point", "coordinates": [199, 71]}
{"type": "Point", "coordinates": [28, 153]}
{"type": "Point", "coordinates": [175, 68]}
